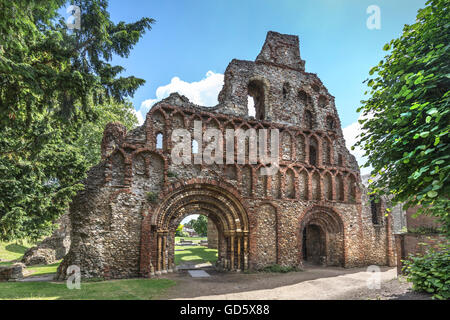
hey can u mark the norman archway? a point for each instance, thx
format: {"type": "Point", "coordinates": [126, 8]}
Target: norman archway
{"type": "Point", "coordinates": [220, 203]}
{"type": "Point", "coordinates": [321, 230]}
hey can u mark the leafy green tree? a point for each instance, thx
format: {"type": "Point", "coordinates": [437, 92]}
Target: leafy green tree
{"type": "Point", "coordinates": [51, 80]}
{"type": "Point", "coordinates": [406, 119]}
{"type": "Point", "coordinates": [200, 225]}
{"type": "Point", "coordinates": [91, 133]}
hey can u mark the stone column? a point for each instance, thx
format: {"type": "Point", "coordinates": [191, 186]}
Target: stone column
{"type": "Point", "coordinates": [246, 252]}
{"type": "Point", "coordinates": [164, 252]}
{"type": "Point", "coordinates": [231, 252]}
{"type": "Point", "coordinates": [239, 252]}
{"type": "Point", "coordinates": [213, 235]}
{"type": "Point", "coordinates": [158, 266]}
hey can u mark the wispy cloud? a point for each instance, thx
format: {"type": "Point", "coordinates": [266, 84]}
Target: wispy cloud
{"type": "Point", "coordinates": [203, 92]}
{"type": "Point", "coordinates": [351, 133]}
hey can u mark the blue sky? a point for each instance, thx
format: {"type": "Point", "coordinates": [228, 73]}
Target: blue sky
{"type": "Point", "coordinates": [192, 38]}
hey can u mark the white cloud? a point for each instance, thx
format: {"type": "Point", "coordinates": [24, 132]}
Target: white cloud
{"type": "Point", "coordinates": [139, 117]}
{"type": "Point", "coordinates": [203, 92]}
{"type": "Point", "coordinates": [351, 133]}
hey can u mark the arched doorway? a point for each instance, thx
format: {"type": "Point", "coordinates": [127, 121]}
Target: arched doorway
{"type": "Point", "coordinates": [221, 205]}
{"type": "Point", "coordinates": [321, 237]}
{"type": "Point", "coordinates": [314, 245]}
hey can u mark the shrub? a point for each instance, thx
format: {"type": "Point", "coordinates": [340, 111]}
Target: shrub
{"type": "Point", "coordinates": [152, 196]}
{"type": "Point", "coordinates": [430, 272]}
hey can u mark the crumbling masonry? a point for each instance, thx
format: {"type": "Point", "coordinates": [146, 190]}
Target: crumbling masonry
{"type": "Point", "coordinates": [312, 210]}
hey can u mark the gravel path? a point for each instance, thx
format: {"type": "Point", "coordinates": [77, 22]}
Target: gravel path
{"type": "Point", "coordinates": [312, 284]}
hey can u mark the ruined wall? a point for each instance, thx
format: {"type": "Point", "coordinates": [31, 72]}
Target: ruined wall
{"type": "Point", "coordinates": [122, 220]}
{"type": "Point", "coordinates": [213, 235]}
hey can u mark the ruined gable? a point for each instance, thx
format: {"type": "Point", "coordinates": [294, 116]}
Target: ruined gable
{"type": "Point", "coordinates": [310, 210]}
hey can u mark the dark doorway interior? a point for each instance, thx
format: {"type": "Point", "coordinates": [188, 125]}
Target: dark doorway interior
{"type": "Point", "coordinates": [313, 249]}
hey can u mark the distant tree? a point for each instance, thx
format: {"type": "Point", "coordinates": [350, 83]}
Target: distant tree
{"type": "Point", "coordinates": [53, 83]}
{"type": "Point", "coordinates": [200, 225]}
{"type": "Point", "coordinates": [179, 232]}
{"type": "Point", "coordinates": [406, 119]}
{"type": "Point", "coordinates": [190, 223]}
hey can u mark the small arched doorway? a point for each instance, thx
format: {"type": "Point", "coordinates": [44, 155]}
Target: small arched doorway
{"type": "Point", "coordinates": [321, 238]}
{"type": "Point", "coordinates": [314, 245]}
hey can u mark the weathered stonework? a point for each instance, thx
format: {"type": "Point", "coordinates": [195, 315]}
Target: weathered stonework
{"type": "Point", "coordinates": [12, 273]}
{"type": "Point", "coordinates": [213, 235]}
{"type": "Point", "coordinates": [313, 209]}
{"type": "Point", "coordinates": [52, 248]}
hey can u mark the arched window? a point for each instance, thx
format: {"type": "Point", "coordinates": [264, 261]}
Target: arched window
{"type": "Point", "coordinates": [351, 189]}
{"type": "Point", "coordinates": [339, 188]}
{"type": "Point", "coordinates": [313, 151]}
{"type": "Point", "coordinates": [303, 185]}
{"type": "Point", "coordinates": [290, 184]}
{"type": "Point", "coordinates": [286, 90]}
{"type": "Point", "coordinates": [327, 187]}
{"type": "Point", "coordinates": [159, 141]}
{"type": "Point", "coordinates": [375, 209]}
{"type": "Point", "coordinates": [303, 97]}
{"type": "Point", "coordinates": [326, 149]}
{"type": "Point", "coordinates": [316, 193]}
{"type": "Point", "coordinates": [316, 88]}
{"type": "Point", "coordinates": [330, 123]}
{"type": "Point", "coordinates": [286, 145]}
{"type": "Point", "coordinates": [309, 120]}
{"type": "Point", "coordinates": [323, 102]}
{"type": "Point", "coordinates": [340, 160]}
{"type": "Point", "coordinates": [256, 92]}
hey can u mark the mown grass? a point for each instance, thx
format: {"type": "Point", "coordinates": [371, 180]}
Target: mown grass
{"type": "Point", "coordinates": [195, 254]}
{"type": "Point", "coordinates": [40, 270]}
{"type": "Point", "coordinates": [133, 289]}
{"type": "Point", "coordinates": [11, 251]}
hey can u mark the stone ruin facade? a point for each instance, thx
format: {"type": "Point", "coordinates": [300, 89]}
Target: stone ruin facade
{"type": "Point", "coordinates": [313, 210]}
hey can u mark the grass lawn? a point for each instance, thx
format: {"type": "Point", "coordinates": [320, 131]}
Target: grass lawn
{"type": "Point", "coordinates": [12, 252]}
{"type": "Point", "coordinates": [133, 289]}
{"type": "Point", "coordinates": [196, 254]}
{"type": "Point", "coordinates": [40, 270]}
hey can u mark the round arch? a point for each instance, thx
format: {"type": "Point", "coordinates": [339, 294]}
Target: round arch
{"type": "Point", "coordinates": [329, 236]}
{"type": "Point", "coordinates": [220, 203]}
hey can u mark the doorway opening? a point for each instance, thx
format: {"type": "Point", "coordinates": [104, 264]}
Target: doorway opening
{"type": "Point", "coordinates": [314, 245]}
{"type": "Point", "coordinates": [192, 248]}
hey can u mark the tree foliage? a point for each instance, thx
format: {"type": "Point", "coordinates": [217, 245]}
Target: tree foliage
{"type": "Point", "coordinates": [430, 272]}
{"type": "Point", "coordinates": [406, 119]}
{"type": "Point", "coordinates": [200, 225]}
{"type": "Point", "coordinates": [55, 85]}
{"type": "Point", "coordinates": [91, 133]}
